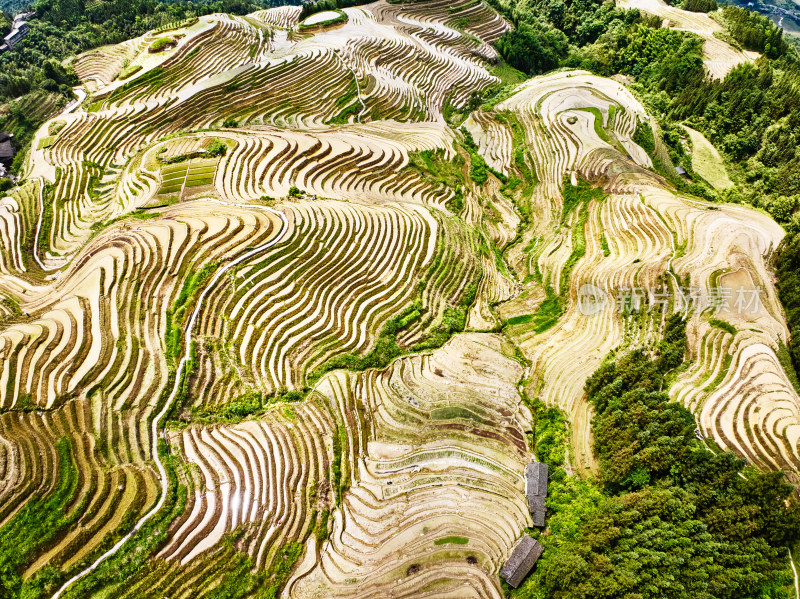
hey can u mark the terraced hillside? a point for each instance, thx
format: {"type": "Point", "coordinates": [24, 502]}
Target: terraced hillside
{"type": "Point", "coordinates": [272, 323]}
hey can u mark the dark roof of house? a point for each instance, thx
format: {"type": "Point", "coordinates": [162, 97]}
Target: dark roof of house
{"type": "Point", "coordinates": [537, 510]}
{"type": "Point", "coordinates": [6, 149]}
{"type": "Point", "coordinates": [536, 479]}
{"type": "Point", "coordinates": [5, 136]}
{"type": "Point", "coordinates": [521, 561]}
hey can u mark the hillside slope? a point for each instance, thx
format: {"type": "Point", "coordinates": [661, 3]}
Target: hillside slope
{"type": "Point", "coordinates": [281, 322]}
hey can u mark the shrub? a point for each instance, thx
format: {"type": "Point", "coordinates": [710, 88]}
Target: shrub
{"type": "Point", "coordinates": [783, 207]}
{"type": "Point", "coordinates": [161, 44]}
{"type": "Point", "coordinates": [216, 148]}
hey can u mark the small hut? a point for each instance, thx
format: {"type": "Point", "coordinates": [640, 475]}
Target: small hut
{"type": "Point", "coordinates": [536, 490]}
{"type": "Point", "coordinates": [521, 561]}
{"type": "Point", "coordinates": [536, 479]}
{"type": "Point", "coordinates": [6, 149]}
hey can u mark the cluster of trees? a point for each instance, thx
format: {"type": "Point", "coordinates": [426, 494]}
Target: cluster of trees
{"type": "Point", "coordinates": [754, 31]}
{"type": "Point", "coordinates": [5, 24]}
{"type": "Point", "coordinates": [699, 5]}
{"type": "Point", "coordinates": [668, 518]}
{"type": "Point", "coordinates": [753, 115]}
{"type": "Point", "coordinates": [598, 36]}
{"type": "Point", "coordinates": [533, 47]}
{"type": "Point", "coordinates": [659, 58]}
{"type": "Point", "coordinates": [547, 31]}
{"type": "Point", "coordinates": [311, 8]}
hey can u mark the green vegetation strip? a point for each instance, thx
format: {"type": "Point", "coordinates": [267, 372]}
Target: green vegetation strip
{"type": "Point", "coordinates": [451, 541]}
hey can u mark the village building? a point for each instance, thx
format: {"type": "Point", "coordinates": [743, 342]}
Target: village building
{"type": "Point", "coordinates": [7, 150]}
{"type": "Point", "coordinates": [536, 474]}
{"type": "Point", "coordinates": [521, 561]}
{"type": "Point", "coordinates": [19, 31]}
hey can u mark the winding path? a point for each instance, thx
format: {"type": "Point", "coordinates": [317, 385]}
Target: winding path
{"type": "Point", "coordinates": [187, 342]}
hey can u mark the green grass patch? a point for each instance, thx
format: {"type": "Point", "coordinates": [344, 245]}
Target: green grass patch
{"type": "Point", "coordinates": [384, 351]}
{"type": "Point", "coordinates": [46, 142]}
{"type": "Point", "coordinates": [174, 169]}
{"type": "Point", "coordinates": [548, 314]}
{"type": "Point", "coordinates": [723, 324]}
{"type": "Point", "coordinates": [250, 404]}
{"type": "Point", "coordinates": [577, 197]}
{"type": "Point", "coordinates": [200, 181]}
{"type": "Point", "coordinates": [195, 169]}
{"type": "Point", "coordinates": [598, 124]}
{"type": "Point", "coordinates": [349, 111]}
{"type": "Point", "coordinates": [451, 541]}
{"type": "Point", "coordinates": [726, 364]}
{"type": "Point", "coordinates": [341, 17]}
{"type": "Point", "coordinates": [173, 178]}
{"type": "Point", "coordinates": [129, 71]}
{"type": "Point", "coordinates": [785, 359]}
{"type": "Point", "coordinates": [339, 465]}
{"type": "Point", "coordinates": [40, 520]}
{"type": "Point", "coordinates": [161, 44]}
{"type": "Point", "coordinates": [521, 319]}
{"type": "Point", "coordinates": [433, 167]}
{"type": "Point", "coordinates": [278, 573]}
{"type": "Point", "coordinates": [453, 412]}
{"type": "Point", "coordinates": [508, 75]}
{"type": "Point", "coordinates": [183, 304]}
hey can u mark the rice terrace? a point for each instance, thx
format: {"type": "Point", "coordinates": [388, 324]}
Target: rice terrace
{"type": "Point", "coordinates": [409, 298]}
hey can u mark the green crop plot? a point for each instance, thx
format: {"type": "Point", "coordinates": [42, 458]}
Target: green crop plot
{"type": "Point", "coordinates": [201, 172]}
{"type": "Point", "coordinates": [192, 173]}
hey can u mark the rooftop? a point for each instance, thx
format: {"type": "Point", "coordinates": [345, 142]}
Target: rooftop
{"type": "Point", "coordinates": [521, 561]}
{"type": "Point", "coordinates": [6, 150]}
{"type": "Point", "coordinates": [536, 479]}
{"type": "Point", "coordinates": [537, 510]}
